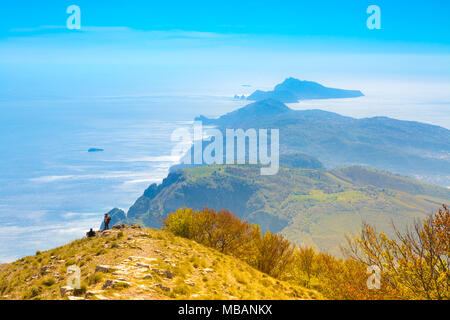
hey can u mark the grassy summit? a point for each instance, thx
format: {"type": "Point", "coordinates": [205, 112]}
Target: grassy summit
{"type": "Point", "coordinates": [140, 263]}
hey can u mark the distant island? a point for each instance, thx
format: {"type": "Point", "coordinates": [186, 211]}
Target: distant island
{"type": "Point", "coordinates": [95, 150]}
{"type": "Point", "coordinates": [294, 90]}
{"type": "Point", "coordinates": [237, 97]}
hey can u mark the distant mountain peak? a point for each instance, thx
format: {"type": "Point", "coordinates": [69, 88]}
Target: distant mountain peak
{"type": "Point", "coordinates": [294, 90]}
{"type": "Point", "coordinates": [256, 110]}
{"type": "Point", "coordinates": [267, 106]}
{"type": "Point", "coordinates": [293, 83]}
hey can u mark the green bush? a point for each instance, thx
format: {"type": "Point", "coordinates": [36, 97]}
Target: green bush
{"type": "Point", "coordinates": [180, 222]}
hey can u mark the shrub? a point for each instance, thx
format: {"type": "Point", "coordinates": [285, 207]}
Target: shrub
{"type": "Point", "coordinates": [180, 223]}
{"type": "Point", "coordinates": [32, 293]}
{"type": "Point", "coordinates": [81, 291]}
{"type": "Point", "coordinates": [220, 230]}
{"type": "Point", "coordinates": [275, 254]}
{"type": "Point", "coordinates": [304, 261]}
{"type": "Point", "coordinates": [413, 265]}
{"type": "Point", "coordinates": [100, 252]}
{"type": "Point", "coordinates": [95, 278]}
{"type": "Point", "coordinates": [182, 289]}
{"type": "Point", "coordinates": [48, 281]}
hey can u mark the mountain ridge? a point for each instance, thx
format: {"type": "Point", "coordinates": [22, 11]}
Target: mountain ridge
{"type": "Point", "coordinates": [294, 90]}
{"type": "Point", "coordinates": [405, 147]}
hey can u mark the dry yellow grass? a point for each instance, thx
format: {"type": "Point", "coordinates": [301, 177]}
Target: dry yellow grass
{"type": "Point", "coordinates": [143, 264]}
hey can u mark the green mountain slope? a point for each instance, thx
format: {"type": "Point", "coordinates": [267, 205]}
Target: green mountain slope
{"type": "Point", "coordinates": [310, 206]}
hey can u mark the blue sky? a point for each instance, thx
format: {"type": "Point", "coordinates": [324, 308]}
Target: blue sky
{"type": "Point", "coordinates": [403, 20]}
{"type": "Point", "coordinates": [139, 47]}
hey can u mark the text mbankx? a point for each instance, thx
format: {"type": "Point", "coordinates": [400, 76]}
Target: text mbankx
{"type": "Point", "coordinates": [247, 309]}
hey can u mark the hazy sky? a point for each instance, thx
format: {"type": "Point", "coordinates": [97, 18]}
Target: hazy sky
{"type": "Point", "coordinates": [213, 47]}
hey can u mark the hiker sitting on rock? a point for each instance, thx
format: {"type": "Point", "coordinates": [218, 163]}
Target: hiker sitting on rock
{"type": "Point", "coordinates": [106, 221]}
{"type": "Point", "coordinates": [90, 233]}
